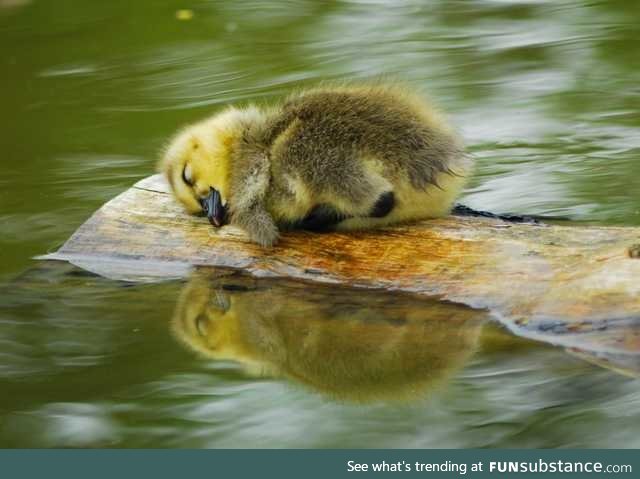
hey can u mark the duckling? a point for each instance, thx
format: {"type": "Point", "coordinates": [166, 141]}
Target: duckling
{"type": "Point", "coordinates": [341, 157]}
{"type": "Point", "coordinates": [362, 347]}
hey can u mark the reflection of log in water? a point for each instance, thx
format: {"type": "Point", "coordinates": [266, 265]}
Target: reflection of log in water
{"type": "Point", "coordinates": [350, 344]}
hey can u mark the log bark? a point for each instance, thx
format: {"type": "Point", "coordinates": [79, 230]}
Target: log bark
{"type": "Point", "coordinates": [575, 286]}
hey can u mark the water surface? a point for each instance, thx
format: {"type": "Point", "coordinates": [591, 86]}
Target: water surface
{"type": "Point", "coordinates": [546, 97]}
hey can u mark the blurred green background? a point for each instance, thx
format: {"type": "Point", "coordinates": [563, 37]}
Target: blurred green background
{"type": "Point", "coordinates": [545, 93]}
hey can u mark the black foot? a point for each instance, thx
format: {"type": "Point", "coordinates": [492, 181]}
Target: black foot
{"type": "Point", "coordinates": [462, 210]}
{"type": "Point", "coordinates": [321, 218]}
{"type": "Point", "coordinates": [384, 205]}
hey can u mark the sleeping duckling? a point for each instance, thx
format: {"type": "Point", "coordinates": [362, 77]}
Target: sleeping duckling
{"type": "Point", "coordinates": [328, 158]}
{"type": "Point", "coordinates": [359, 346]}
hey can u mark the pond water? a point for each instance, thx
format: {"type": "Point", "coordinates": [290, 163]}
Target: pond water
{"type": "Point", "coordinates": [546, 95]}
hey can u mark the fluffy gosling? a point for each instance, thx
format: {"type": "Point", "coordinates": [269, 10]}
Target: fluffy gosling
{"type": "Point", "coordinates": [327, 158]}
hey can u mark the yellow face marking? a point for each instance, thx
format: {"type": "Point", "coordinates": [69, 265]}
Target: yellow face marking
{"type": "Point", "coordinates": [208, 321]}
{"type": "Point", "coordinates": [196, 161]}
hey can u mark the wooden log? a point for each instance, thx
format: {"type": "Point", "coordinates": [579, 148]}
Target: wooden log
{"type": "Point", "coordinates": [574, 286]}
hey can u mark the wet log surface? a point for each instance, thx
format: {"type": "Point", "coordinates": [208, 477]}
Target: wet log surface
{"type": "Point", "coordinates": [573, 286]}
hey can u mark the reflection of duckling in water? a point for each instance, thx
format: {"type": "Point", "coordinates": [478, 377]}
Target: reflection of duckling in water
{"type": "Point", "coordinates": [362, 345]}
{"type": "Point", "coordinates": [341, 157]}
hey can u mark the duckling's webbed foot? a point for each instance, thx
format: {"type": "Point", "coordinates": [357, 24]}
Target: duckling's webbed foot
{"type": "Point", "coordinates": [258, 224]}
{"type": "Point", "coordinates": [321, 218]}
{"type": "Point", "coordinates": [383, 205]}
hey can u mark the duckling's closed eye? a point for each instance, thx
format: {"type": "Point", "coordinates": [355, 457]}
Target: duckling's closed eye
{"type": "Point", "coordinates": [202, 324]}
{"type": "Point", "coordinates": [187, 175]}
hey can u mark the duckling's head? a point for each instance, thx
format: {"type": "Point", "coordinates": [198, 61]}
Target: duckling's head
{"type": "Point", "coordinates": [209, 319]}
{"type": "Point", "coordinates": [197, 163]}
{"type": "Point", "coordinates": [205, 321]}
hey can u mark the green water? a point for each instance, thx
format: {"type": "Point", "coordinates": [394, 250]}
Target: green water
{"type": "Point", "coordinates": [547, 97]}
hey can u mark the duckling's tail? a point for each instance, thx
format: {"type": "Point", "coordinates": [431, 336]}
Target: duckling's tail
{"type": "Point", "coordinates": [462, 210]}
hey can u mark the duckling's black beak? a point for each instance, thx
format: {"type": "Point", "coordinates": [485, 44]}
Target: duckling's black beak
{"type": "Point", "coordinates": [212, 207]}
